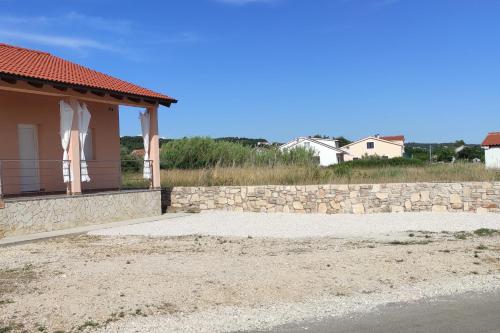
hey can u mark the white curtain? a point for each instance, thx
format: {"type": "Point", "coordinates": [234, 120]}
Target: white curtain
{"type": "Point", "coordinates": [83, 126]}
{"type": "Point", "coordinates": [65, 131]}
{"type": "Point", "coordinates": [145, 125]}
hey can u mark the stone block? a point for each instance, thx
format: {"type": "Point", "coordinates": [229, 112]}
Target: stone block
{"type": "Point", "coordinates": [455, 199]}
{"type": "Point", "coordinates": [358, 209]}
{"type": "Point", "coordinates": [382, 195]}
{"type": "Point", "coordinates": [322, 208]}
{"type": "Point", "coordinates": [439, 209]}
{"type": "Point", "coordinates": [415, 197]}
{"type": "Point", "coordinates": [397, 209]}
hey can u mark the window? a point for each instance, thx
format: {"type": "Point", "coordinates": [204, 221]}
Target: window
{"type": "Point", "coordinates": [370, 145]}
{"type": "Point", "coordinates": [89, 145]}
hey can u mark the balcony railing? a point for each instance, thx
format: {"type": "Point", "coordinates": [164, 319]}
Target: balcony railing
{"type": "Point", "coordinates": [115, 175]}
{"type": "Point", "coordinates": [44, 177]}
{"type": "Point", "coordinates": [30, 177]}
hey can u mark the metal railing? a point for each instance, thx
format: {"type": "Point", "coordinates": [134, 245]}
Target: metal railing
{"type": "Point", "coordinates": [115, 175]}
{"type": "Point", "coordinates": [44, 177]}
{"type": "Point", "coordinates": [31, 177]}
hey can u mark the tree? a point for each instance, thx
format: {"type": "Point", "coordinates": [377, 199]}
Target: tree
{"type": "Point", "coordinates": [471, 152]}
{"type": "Point", "coordinates": [444, 154]}
{"type": "Point", "coordinates": [320, 136]}
{"type": "Point", "coordinates": [343, 141]}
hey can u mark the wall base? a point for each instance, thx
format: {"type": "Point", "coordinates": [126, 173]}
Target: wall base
{"type": "Point", "coordinates": [345, 199]}
{"type": "Point", "coordinates": [32, 215]}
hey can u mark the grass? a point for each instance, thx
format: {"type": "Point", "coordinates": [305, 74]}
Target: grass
{"type": "Point", "coordinates": [88, 323]}
{"type": "Point", "coordinates": [302, 175]}
{"type": "Point", "coordinates": [483, 232]}
{"type": "Point", "coordinates": [12, 279]}
{"type": "Point", "coordinates": [398, 242]}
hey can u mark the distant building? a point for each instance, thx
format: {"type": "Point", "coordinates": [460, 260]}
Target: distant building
{"type": "Point", "coordinates": [491, 146]}
{"type": "Point", "coordinates": [327, 150]}
{"type": "Point", "coordinates": [263, 144]}
{"type": "Point", "coordinates": [138, 153]}
{"type": "Point", "coordinates": [382, 146]}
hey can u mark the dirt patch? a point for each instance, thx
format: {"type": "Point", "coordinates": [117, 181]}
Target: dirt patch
{"type": "Point", "coordinates": [83, 283]}
{"type": "Point", "coordinates": [12, 279]}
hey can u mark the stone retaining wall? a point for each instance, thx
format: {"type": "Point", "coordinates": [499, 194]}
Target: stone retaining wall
{"type": "Point", "coordinates": [31, 215]}
{"type": "Point", "coordinates": [333, 199]}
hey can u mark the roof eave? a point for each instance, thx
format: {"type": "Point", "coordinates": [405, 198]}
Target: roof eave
{"type": "Point", "coordinates": [97, 91]}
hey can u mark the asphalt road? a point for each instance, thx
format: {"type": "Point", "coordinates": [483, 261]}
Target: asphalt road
{"type": "Point", "coordinates": [475, 313]}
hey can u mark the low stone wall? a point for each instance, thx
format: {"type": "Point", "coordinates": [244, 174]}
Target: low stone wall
{"type": "Point", "coordinates": [31, 215]}
{"type": "Point", "coordinates": [333, 199]}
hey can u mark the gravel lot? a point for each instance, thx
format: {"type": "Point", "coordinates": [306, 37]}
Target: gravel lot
{"type": "Point", "coordinates": [193, 283]}
{"type": "Point", "coordinates": [371, 226]}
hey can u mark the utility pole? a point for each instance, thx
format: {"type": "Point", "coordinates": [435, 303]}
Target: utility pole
{"type": "Point", "coordinates": [430, 153]}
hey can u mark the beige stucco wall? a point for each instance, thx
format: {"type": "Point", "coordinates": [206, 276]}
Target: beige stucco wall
{"type": "Point", "coordinates": [43, 111]}
{"type": "Point", "coordinates": [382, 148]}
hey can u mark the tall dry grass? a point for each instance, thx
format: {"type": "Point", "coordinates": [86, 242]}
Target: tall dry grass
{"type": "Point", "coordinates": [296, 175]}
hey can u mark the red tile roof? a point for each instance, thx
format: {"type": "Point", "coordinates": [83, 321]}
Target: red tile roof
{"type": "Point", "coordinates": [493, 139]}
{"type": "Point", "coordinates": [26, 63]}
{"type": "Point", "coordinates": [393, 138]}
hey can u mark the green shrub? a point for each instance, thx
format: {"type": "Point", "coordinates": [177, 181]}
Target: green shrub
{"type": "Point", "coordinates": [200, 152]}
{"type": "Point", "coordinates": [130, 163]}
{"type": "Point", "coordinates": [377, 162]}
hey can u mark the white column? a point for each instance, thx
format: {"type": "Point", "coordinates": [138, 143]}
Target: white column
{"type": "Point", "coordinates": [154, 146]}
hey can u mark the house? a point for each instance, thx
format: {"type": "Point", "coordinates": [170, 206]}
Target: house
{"type": "Point", "coordinates": [60, 131]}
{"type": "Point", "coordinates": [382, 146]}
{"type": "Point", "coordinates": [139, 153]}
{"type": "Point", "coordinates": [327, 150]}
{"type": "Point", "coordinates": [491, 146]}
{"type": "Point", "coordinates": [59, 135]}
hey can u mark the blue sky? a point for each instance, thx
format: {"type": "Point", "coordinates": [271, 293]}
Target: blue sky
{"type": "Point", "coordinates": [429, 69]}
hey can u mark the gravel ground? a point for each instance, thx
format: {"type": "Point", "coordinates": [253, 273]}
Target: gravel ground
{"type": "Point", "coordinates": [194, 283]}
{"type": "Point", "coordinates": [371, 226]}
{"type": "Point", "coordinates": [236, 319]}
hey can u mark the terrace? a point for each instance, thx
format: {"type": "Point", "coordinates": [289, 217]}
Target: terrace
{"type": "Point", "coordinates": [59, 133]}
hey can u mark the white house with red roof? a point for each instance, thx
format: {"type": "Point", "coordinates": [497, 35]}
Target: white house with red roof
{"type": "Point", "coordinates": [491, 146]}
{"type": "Point", "coordinates": [381, 146]}
{"type": "Point", "coordinates": [327, 150]}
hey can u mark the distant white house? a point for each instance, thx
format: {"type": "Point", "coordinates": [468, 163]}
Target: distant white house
{"type": "Point", "coordinates": [491, 146]}
{"type": "Point", "coordinates": [382, 146]}
{"type": "Point", "coordinates": [327, 150]}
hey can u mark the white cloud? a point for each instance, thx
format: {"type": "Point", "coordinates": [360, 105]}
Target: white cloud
{"type": "Point", "coordinates": [61, 41]}
{"type": "Point", "coordinates": [71, 19]}
{"type": "Point", "coordinates": [99, 23]}
{"type": "Point", "coordinates": [84, 33]}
